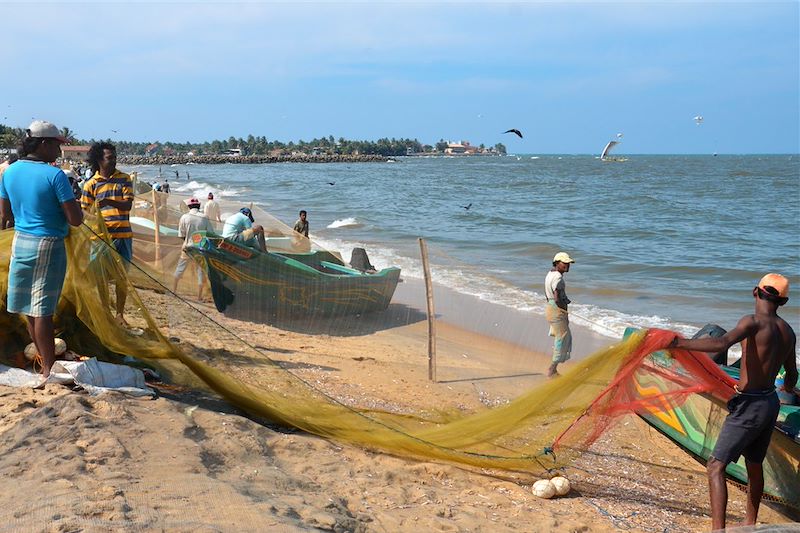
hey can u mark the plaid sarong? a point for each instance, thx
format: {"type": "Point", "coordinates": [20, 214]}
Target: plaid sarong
{"type": "Point", "coordinates": [36, 274]}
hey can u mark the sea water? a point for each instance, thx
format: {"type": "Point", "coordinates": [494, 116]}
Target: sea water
{"type": "Point", "coordinates": [659, 241]}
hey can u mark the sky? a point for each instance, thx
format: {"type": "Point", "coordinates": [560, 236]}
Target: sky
{"type": "Point", "coordinates": [569, 75]}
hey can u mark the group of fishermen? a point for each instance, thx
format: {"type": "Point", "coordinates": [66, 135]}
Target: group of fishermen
{"type": "Point", "coordinates": [38, 200]}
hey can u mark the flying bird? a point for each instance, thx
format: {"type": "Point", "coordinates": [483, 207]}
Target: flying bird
{"type": "Point", "coordinates": [514, 131]}
{"type": "Point", "coordinates": [115, 131]}
{"type": "Point", "coordinates": [466, 206]}
{"type": "Point", "coordinates": [698, 119]}
{"type": "Point", "coordinates": [331, 183]}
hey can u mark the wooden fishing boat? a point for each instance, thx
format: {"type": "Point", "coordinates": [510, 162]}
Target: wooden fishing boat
{"type": "Point", "coordinates": [695, 423]}
{"type": "Point", "coordinates": [261, 287]}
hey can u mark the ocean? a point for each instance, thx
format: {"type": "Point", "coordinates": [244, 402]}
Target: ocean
{"type": "Point", "coordinates": [659, 241]}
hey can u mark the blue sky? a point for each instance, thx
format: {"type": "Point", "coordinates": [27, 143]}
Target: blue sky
{"type": "Point", "coordinates": [569, 75]}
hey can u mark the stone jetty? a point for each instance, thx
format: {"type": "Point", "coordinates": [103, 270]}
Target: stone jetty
{"type": "Point", "coordinates": [246, 159]}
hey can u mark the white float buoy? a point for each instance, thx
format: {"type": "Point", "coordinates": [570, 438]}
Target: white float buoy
{"type": "Point", "coordinates": [561, 485]}
{"type": "Point", "coordinates": [543, 489]}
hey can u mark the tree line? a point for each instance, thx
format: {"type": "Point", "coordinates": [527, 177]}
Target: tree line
{"type": "Point", "coordinates": [254, 145]}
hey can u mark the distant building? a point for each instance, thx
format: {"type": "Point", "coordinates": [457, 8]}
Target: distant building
{"type": "Point", "coordinates": [74, 153]}
{"type": "Point", "coordinates": [455, 149]}
{"type": "Point", "coordinates": [233, 152]}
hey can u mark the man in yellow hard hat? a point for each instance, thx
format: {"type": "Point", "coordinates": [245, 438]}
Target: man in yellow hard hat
{"type": "Point", "coordinates": [556, 311]}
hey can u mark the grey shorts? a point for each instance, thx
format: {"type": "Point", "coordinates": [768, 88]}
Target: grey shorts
{"type": "Point", "coordinates": [748, 428]}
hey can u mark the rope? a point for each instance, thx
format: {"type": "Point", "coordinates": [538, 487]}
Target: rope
{"type": "Point", "coordinates": [37, 363]}
{"type": "Point", "coordinates": [764, 496]}
{"type": "Point", "coordinates": [618, 521]}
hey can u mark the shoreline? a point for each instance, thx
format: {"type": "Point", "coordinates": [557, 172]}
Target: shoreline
{"type": "Point", "coordinates": [527, 330]}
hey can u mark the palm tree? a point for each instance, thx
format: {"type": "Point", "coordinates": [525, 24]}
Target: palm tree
{"type": "Point", "coordinates": [68, 134]}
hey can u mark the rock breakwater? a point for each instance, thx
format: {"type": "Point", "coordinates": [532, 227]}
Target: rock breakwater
{"type": "Point", "coordinates": [246, 159]}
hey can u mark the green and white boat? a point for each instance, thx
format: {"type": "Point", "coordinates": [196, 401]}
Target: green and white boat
{"type": "Point", "coordinates": [261, 287]}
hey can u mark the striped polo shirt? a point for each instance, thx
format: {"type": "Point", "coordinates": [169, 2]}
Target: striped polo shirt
{"type": "Point", "coordinates": [118, 187]}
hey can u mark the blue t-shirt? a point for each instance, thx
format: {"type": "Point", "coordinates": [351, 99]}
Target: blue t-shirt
{"type": "Point", "coordinates": [235, 224]}
{"type": "Point", "coordinates": [36, 191]}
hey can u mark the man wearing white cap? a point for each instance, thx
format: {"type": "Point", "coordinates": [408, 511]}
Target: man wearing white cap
{"type": "Point", "coordinates": [190, 223]}
{"type": "Point", "coordinates": [37, 200]}
{"type": "Point", "coordinates": [556, 311]}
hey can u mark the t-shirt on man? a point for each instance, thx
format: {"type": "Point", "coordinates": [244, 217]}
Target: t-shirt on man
{"type": "Point", "coordinates": [235, 225]}
{"type": "Point", "coordinates": [211, 210]}
{"type": "Point", "coordinates": [36, 191]}
{"type": "Point", "coordinates": [552, 282]}
{"type": "Point", "coordinates": [192, 222]}
{"type": "Point", "coordinates": [118, 187]}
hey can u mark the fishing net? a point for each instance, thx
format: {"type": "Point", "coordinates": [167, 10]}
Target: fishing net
{"type": "Point", "coordinates": [268, 335]}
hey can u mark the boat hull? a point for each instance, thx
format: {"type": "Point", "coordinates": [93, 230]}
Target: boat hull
{"type": "Point", "coordinates": [694, 425]}
{"type": "Point", "coordinates": [263, 287]}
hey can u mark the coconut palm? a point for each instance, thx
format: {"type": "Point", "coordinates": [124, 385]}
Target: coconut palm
{"type": "Point", "coordinates": [68, 134]}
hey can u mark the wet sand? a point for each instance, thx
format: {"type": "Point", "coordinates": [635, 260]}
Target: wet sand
{"type": "Point", "coordinates": [189, 461]}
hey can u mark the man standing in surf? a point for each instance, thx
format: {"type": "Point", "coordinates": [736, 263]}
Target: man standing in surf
{"type": "Point", "coordinates": [768, 342]}
{"type": "Point", "coordinates": [301, 226]}
{"type": "Point", "coordinates": [556, 311]}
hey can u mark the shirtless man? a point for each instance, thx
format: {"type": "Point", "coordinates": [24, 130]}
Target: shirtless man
{"type": "Point", "coordinates": [768, 342]}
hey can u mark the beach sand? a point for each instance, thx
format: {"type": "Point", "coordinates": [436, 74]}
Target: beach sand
{"type": "Point", "coordinates": [189, 461]}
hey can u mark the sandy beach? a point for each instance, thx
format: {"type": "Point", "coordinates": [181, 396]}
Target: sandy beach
{"type": "Point", "coordinates": [301, 380]}
{"type": "Point", "coordinates": [189, 461]}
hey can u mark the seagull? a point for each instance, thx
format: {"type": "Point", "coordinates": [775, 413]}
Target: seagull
{"type": "Point", "coordinates": [115, 131]}
{"type": "Point", "coordinates": [514, 131]}
{"type": "Point", "coordinates": [331, 183]}
{"type": "Point", "coordinates": [466, 206]}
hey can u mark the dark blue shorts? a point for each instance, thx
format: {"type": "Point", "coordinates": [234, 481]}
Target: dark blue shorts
{"type": "Point", "coordinates": [124, 248]}
{"type": "Point", "coordinates": [748, 428]}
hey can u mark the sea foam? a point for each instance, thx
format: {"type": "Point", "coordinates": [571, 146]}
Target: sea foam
{"type": "Point", "coordinates": [350, 222]}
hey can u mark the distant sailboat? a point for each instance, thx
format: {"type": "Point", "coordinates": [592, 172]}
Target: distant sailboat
{"type": "Point", "coordinates": [605, 157]}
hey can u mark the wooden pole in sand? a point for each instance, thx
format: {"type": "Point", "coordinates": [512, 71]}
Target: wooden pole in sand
{"type": "Point", "coordinates": [156, 234]}
{"type": "Point", "coordinates": [423, 248]}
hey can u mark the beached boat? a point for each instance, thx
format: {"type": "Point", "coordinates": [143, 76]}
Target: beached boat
{"type": "Point", "coordinates": [695, 423]}
{"type": "Point", "coordinates": [604, 156]}
{"type": "Point", "coordinates": [261, 287]}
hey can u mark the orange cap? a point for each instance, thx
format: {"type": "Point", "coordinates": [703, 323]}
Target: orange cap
{"type": "Point", "coordinates": [777, 282]}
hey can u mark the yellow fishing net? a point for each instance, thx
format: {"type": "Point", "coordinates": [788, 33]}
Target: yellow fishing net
{"type": "Point", "coordinates": [258, 352]}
